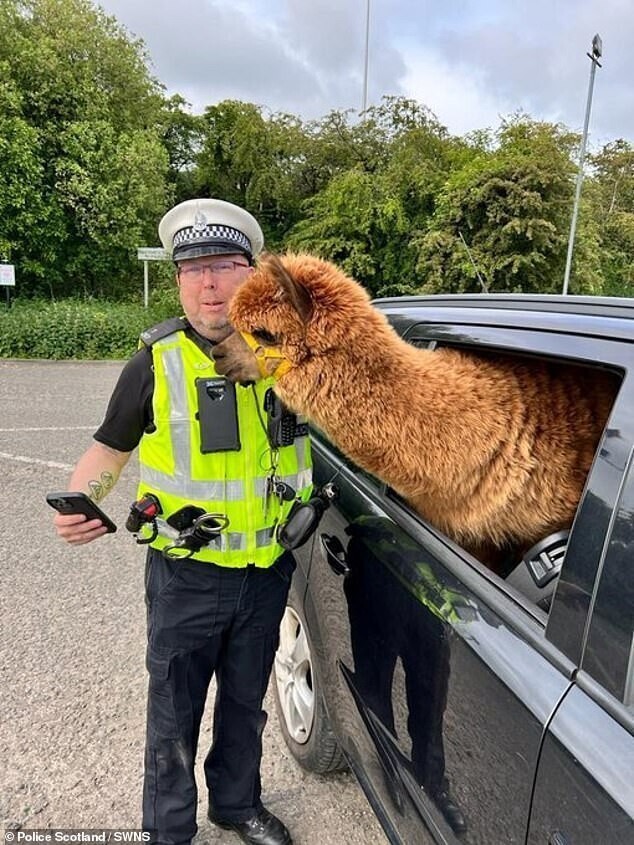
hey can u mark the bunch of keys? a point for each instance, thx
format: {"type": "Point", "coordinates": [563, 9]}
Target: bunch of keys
{"type": "Point", "coordinates": [276, 487]}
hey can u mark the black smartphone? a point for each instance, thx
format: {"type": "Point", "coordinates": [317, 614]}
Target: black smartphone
{"type": "Point", "coordinates": [79, 503]}
{"type": "Point", "coordinates": [217, 415]}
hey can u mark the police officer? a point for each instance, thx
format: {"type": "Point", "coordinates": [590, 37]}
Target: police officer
{"type": "Point", "coordinates": [216, 579]}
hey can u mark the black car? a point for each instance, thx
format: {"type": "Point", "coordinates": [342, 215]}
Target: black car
{"type": "Point", "coordinates": [472, 708]}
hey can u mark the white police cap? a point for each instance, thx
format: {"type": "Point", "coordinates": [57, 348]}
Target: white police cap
{"type": "Point", "coordinates": [209, 227]}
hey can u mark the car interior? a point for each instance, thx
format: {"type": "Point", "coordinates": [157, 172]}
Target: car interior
{"type": "Point", "coordinates": [532, 572]}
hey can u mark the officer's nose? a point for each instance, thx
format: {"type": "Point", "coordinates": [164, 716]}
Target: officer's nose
{"type": "Point", "coordinates": [209, 278]}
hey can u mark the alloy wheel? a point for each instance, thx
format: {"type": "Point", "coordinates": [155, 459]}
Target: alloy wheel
{"type": "Point", "coordinates": [294, 677]}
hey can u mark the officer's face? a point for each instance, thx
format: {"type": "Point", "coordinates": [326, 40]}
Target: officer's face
{"type": "Point", "coordinates": [206, 286]}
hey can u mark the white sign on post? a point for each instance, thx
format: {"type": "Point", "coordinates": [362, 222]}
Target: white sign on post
{"type": "Point", "coordinates": [150, 253]}
{"type": "Point", "coordinates": [7, 274]}
{"type": "Point", "coordinates": [145, 254]}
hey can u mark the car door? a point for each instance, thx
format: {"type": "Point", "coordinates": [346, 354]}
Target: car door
{"type": "Point", "coordinates": [584, 789]}
{"type": "Point", "coordinates": [439, 678]}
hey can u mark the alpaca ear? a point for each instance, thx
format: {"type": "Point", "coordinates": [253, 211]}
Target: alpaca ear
{"type": "Point", "coordinates": [297, 294]}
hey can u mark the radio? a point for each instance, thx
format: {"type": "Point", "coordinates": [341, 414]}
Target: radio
{"type": "Point", "coordinates": [281, 423]}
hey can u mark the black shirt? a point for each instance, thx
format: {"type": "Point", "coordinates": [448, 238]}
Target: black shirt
{"type": "Point", "coordinates": [129, 413]}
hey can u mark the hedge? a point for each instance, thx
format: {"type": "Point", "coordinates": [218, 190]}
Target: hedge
{"type": "Point", "coordinates": [76, 328]}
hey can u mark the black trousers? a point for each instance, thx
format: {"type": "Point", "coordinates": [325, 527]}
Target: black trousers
{"type": "Point", "coordinates": [205, 619]}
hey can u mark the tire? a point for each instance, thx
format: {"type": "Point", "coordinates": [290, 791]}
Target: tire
{"type": "Point", "coordinates": [299, 699]}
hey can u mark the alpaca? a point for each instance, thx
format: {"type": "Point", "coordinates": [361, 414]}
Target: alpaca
{"type": "Point", "coordinates": [492, 450]}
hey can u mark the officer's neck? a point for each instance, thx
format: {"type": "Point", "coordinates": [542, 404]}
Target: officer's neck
{"type": "Point", "coordinates": [205, 344]}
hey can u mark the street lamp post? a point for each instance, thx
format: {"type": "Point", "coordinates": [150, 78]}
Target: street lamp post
{"type": "Point", "coordinates": [594, 56]}
{"type": "Point", "coordinates": [367, 56]}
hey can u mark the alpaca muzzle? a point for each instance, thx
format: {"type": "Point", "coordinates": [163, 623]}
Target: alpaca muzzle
{"type": "Point", "coordinates": [270, 359]}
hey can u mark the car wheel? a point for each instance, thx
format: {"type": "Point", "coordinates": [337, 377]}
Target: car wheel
{"type": "Point", "coordinates": [298, 698]}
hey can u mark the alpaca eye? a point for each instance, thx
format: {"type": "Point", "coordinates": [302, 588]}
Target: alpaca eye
{"type": "Point", "coordinates": [264, 337]}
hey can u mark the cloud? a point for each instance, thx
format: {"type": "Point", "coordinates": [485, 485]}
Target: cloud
{"type": "Point", "coordinates": [469, 61]}
{"type": "Point", "coordinates": [298, 57]}
{"type": "Point", "coordinates": [215, 50]}
{"type": "Point", "coordinates": [456, 93]}
{"type": "Point", "coordinates": [536, 60]}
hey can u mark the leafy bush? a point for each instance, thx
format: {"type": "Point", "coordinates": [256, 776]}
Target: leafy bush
{"type": "Point", "coordinates": [75, 328]}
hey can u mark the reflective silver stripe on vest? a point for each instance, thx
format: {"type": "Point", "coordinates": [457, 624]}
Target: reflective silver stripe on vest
{"type": "Point", "coordinates": [179, 417]}
{"type": "Point", "coordinates": [237, 541]}
{"type": "Point", "coordinates": [301, 448]}
{"type": "Point", "coordinates": [304, 478]}
{"type": "Point", "coordinates": [187, 488]}
{"type": "Point", "coordinates": [264, 537]}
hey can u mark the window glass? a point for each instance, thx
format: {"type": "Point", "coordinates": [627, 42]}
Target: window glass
{"type": "Point", "coordinates": [609, 652]}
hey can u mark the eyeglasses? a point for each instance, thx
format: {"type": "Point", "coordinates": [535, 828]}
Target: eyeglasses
{"type": "Point", "coordinates": [195, 272]}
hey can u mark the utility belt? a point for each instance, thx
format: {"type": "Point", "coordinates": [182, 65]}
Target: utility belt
{"type": "Point", "coordinates": [191, 528]}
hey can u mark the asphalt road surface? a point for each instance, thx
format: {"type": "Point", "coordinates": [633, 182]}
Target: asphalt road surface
{"type": "Point", "coordinates": [72, 674]}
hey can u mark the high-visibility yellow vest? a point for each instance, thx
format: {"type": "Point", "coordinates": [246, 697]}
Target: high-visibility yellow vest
{"type": "Point", "coordinates": [231, 483]}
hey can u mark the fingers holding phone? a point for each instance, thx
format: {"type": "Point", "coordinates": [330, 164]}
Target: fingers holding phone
{"type": "Point", "coordinates": [78, 519]}
{"type": "Point", "coordinates": [77, 529]}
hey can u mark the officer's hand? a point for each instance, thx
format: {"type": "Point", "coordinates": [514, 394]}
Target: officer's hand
{"type": "Point", "coordinates": [75, 528]}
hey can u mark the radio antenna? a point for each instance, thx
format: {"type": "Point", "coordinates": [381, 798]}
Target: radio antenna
{"type": "Point", "coordinates": [482, 285]}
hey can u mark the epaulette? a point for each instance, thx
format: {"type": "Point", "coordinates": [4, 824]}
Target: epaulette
{"type": "Point", "coordinates": [161, 330]}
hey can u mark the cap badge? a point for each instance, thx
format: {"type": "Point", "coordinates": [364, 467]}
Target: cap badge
{"type": "Point", "coordinates": [200, 221]}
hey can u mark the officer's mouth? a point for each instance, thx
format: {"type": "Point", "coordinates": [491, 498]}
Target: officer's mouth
{"type": "Point", "coordinates": [213, 306]}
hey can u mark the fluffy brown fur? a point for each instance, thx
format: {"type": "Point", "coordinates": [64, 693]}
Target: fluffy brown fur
{"type": "Point", "coordinates": [492, 450]}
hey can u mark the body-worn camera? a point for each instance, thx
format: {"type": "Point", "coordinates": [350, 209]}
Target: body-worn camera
{"type": "Point", "coordinates": [217, 415]}
{"type": "Point", "coordinates": [142, 512]}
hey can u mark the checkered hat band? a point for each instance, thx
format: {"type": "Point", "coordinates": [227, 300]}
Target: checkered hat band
{"type": "Point", "coordinates": [191, 236]}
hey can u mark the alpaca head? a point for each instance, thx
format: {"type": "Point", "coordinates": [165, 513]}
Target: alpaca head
{"type": "Point", "coordinates": [296, 307]}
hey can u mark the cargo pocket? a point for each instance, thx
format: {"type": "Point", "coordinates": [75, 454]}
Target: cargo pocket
{"type": "Point", "coordinates": [162, 722]}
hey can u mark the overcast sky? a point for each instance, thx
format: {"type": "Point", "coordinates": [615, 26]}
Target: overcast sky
{"type": "Point", "coordinates": [470, 61]}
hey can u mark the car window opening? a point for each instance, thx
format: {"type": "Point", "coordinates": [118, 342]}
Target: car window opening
{"type": "Point", "coordinates": [533, 570]}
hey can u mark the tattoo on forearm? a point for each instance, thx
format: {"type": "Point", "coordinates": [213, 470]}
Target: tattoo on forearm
{"type": "Point", "coordinates": [98, 489]}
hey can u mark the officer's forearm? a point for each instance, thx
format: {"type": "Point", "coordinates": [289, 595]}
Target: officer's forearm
{"type": "Point", "coordinates": [97, 471]}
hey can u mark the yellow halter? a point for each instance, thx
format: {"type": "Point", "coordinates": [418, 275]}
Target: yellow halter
{"type": "Point", "coordinates": [268, 354]}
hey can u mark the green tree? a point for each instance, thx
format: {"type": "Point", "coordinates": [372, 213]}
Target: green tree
{"type": "Point", "coordinates": [385, 174]}
{"type": "Point", "coordinates": [77, 88]}
{"type": "Point", "coordinates": [181, 135]}
{"type": "Point", "coordinates": [358, 222]}
{"type": "Point", "coordinates": [21, 173]}
{"type": "Point", "coordinates": [612, 187]}
{"type": "Point", "coordinates": [511, 206]}
{"type": "Point", "coordinates": [254, 161]}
